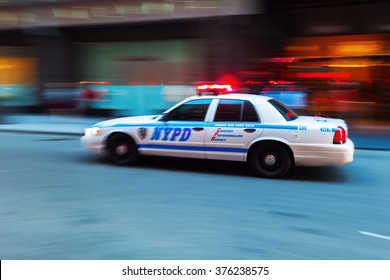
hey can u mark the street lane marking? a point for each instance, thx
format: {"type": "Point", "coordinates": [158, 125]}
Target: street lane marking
{"type": "Point", "coordinates": [375, 235]}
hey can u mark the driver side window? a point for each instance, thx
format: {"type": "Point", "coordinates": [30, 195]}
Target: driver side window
{"type": "Point", "coordinates": [194, 110]}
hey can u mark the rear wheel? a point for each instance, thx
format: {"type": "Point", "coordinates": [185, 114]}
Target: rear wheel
{"type": "Point", "coordinates": [270, 160]}
{"type": "Point", "coordinates": [122, 150]}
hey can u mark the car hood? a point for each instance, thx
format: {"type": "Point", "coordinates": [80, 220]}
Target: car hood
{"type": "Point", "coordinates": [127, 120]}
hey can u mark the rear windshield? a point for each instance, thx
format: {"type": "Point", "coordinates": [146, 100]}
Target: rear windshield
{"type": "Point", "coordinates": [284, 110]}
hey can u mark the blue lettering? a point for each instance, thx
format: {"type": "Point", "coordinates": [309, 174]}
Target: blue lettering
{"type": "Point", "coordinates": [185, 135]}
{"type": "Point", "coordinates": [171, 134]}
{"type": "Point", "coordinates": [156, 133]}
{"type": "Point", "coordinates": [176, 132]}
{"type": "Point", "coordinates": [167, 130]}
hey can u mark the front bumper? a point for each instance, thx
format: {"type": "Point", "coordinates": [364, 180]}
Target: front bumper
{"type": "Point", "coordinates": [93, 143]}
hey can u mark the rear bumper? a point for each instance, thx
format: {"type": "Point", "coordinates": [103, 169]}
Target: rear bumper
{"type": "Point", "coordinates": [322, 155]}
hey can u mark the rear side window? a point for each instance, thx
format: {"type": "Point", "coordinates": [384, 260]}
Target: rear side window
{"type": "Point", "coordinates": [235, 111]}
{"type": "Point", "coordinates": [284, 110]}
{"type": "Point", "coordinates": [228, 111]}
{"type": "Point", "coordinates": [249, 113]}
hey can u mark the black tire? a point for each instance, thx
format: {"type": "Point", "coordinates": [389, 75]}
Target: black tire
{"type": "Point", "coordinates": [122, 150]}
{"type": "Point", "coordinates": [270, 160]}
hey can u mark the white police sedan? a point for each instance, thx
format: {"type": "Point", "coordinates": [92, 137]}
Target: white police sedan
{"type": "Point", "coordinates": [236, 127]}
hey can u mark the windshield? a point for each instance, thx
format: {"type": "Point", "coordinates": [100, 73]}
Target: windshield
{"type": "Point", "coordinates": [287, 113]}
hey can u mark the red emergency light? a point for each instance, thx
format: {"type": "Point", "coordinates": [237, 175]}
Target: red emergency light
{"type": "Point", "coordinates": [213, 89]}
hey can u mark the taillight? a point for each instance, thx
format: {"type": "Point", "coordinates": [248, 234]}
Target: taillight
{"type": "Point", "coordinates": [340, 136]}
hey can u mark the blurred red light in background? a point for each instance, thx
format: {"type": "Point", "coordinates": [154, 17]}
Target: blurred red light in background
{"type": "Point", "coordinates": [323, 75]}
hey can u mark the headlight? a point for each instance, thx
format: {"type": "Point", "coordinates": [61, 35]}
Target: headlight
{"type": "Point", "coordinates": [92, 131]}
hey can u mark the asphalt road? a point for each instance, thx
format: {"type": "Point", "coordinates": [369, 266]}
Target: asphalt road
{"type": "Point", "coordinates": [58, 201]}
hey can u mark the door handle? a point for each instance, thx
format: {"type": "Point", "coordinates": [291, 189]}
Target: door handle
{"type": "Point", "coordinates": [197, 128]}
{"type": "Point", "coordinates": [250, 130]}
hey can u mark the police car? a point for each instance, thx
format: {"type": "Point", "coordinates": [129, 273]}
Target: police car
{"type": "Point", "coordinates": [234, 127]}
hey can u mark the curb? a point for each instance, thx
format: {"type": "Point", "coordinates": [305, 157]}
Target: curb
{"type": "Point", "coordinates": [40, 132]}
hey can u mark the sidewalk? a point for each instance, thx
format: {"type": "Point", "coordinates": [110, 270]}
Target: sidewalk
{"type": "Point", "coordinates": [365, 135]}
{"type": "Point", "coordinates": [46, 124]}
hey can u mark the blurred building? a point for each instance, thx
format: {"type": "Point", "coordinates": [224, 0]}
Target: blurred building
{"type": "Point", "coordinates": [158, 49]}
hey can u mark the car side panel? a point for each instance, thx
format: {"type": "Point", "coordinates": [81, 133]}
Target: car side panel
{"type": "Point", "coordinates": [229, 141]}
{"type": "Point", "coordinates": [173, 138]}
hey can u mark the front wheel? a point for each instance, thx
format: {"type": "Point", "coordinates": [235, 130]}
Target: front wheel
{"type": "Point", "coordinates": [270, 160]}
{"type": "Point", "coordinates": [122, 150]}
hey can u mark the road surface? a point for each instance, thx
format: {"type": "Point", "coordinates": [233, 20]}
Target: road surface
{"type": "Point", "coordinates": [58, 201]}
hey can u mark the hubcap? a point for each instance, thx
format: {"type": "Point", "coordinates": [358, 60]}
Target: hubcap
{"type": "Point", "coordinates": [270, 160]}
{"type": "Point", "coordinates": [121, 150]}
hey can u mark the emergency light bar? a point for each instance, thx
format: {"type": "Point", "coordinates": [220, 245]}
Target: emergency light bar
{"type": "Point", "coordinates": [213, 89]}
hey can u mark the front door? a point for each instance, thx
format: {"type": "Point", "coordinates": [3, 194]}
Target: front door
{"type": "Point", "coordinates": [181, 132]}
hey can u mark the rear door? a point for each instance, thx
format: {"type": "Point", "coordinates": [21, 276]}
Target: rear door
{"type": "Point", "coordinates": [235, 125]}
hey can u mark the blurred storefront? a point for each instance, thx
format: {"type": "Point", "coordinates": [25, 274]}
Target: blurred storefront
{"type": "Point", "coordinates": [340, 52]}
{"type": "Point", "coordinates": [18, 68]}
{"type": "Point", "coordinates": [146, 50]}
{"type": "Point", "coordinates": [348, 76]}
{"type": "Point", "coordinates": [152, 52]}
